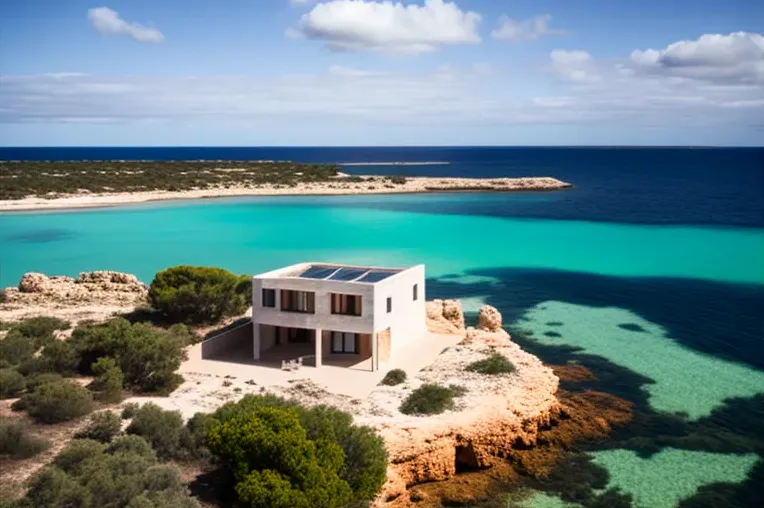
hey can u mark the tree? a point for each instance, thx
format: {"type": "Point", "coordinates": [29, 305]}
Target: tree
{"type": "Point", "coordinates": [58, 402]}
{"type": "Point", "coordinates": [59, 356]}
{"type": "Point", "coordinates": [276, 465]}
{"type": "Point", "coordinates": [196, 294]}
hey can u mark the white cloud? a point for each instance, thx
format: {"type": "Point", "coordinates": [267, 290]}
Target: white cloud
{"type": "Point", "coordinates": [108, 22]}
{"type": "Point", "coordinates": [577, 66]}
{"type": "Point", "coordinates": [363, 25]}
{"type": "Point", "coordinates": [736, 58]}
{"type": "Point", "coordinates": [524, 30]}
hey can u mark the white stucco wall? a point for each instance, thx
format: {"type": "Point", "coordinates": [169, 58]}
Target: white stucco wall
{"type": "Point", "coordinates": [407, 319]}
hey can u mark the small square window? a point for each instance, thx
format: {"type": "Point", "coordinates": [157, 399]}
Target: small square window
{"type": "Point", "coordinates": [416, 292]}
{"type": "Point", "coordinates": [269, 297]}
{"type": "Point", "coordinates": [389, 305]}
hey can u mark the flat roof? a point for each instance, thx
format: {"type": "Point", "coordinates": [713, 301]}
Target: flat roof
{"type": "Point", "coordinates": [344, 273]}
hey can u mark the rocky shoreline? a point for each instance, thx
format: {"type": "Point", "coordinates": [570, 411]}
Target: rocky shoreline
{"type": "Point", "coordinates": [342, 185]}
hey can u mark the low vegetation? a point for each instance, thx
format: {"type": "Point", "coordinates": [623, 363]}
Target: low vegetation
{"type": "Point", "coordinates": [127, 473]}
{"type": "Point", "coordinates": [17, 443]}
{"type": "Point", "coordinates": [55, 402]}
{"type": "Point", "coordinates": [394, 377]}
{"type": "Point", "coordinates": [431, 399]}
{"type": "Point", "coordinates": [496, 363]}
{"type": "Point", "coordinates": [12, 383]}
{"type": "Point", "coordinates": [19, 179]}
{"type": "Point", "coordinates": [102, 427]}
{"type": "Point", "coordinates": [196, 294]}
{"type": "Point", "coordinates": [164, 430]}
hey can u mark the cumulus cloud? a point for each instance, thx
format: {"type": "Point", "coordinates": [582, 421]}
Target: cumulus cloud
{"type": "Point", "coordinates": [577, 65]}
{"type": "Point", "coordinates": [734, 58]}
{"type": "Point", "coordinates": [524, 30]}
{"type": "Point", "coordinates": [363, 25]}
{"type": "Point", "coordinates": [108, 22]}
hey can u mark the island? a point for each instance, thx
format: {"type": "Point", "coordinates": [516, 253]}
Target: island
{"type": "Point", "coordinates": [40, 185]}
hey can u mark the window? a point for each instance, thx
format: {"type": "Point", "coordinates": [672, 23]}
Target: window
{"type": "Point", "coordinates": [269, 297]}
{"type": "Point", "coordinates": [389, 304]}
{"type": "Point", "coordinates": [416, 292]}
{"type": "Point", "coordinates": [347, 305]}
{"type": "Point", "coordinates": [344, 343]}
{"type": "Point", "coordinates": [298, 301]}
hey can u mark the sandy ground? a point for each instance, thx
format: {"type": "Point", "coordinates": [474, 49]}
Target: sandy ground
{"type": "Point", "coordinates": [370, 185]}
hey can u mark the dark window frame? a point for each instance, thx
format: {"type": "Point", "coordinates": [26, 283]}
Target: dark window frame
{"type": "Point", "coordinates": [268, 301]}
{"type": "Point", "coordinates": [352, 303]}
{"type": "Point", "coordinates": [416, 292]}
{"type": "Point", "coordinates": [389, 304]}
{"type": "Point", "coordinates": [356, 344]}
{"type": "Point", "coordinates": [290, 298]}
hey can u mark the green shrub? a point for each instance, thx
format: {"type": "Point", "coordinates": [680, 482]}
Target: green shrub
{"type": "Point", "coordinates": [36, 379]}
{"type": "Point", "coordinates": [365, 457]}
{"type": "Point", "coordinates": [430, 399]}
{"type": "Point", "coordinates": [132, 444]}
{"type": "Point", "coordinates": [15, 348]}
{"type": "Point", "coordinates": [108, 381]}
{"type": "Point", "coordinates": [58, 402]}
{"type": "Point", "coordinates": [15, 441]}
{"type": "Point", "coordinates": [394, 377]}
{"type": "Point", "coordinates": [196, 294]}
{"type": "Point", "coordinates": [41, 328]}
{"type": "Point", "coordinates": [79, 450]}
{"type": "Point", "coordinates": [12, 384]}
{"type": "Point", "coordinates": [163, 429]}
{"type": "Point", "coordinates": [60, 356]}
{"type": "Point", "coordinates": [496, 363]}
{"type": "Point", "coordinates": [398, 180]}
{"type": "Point", "coordinates": [102, 427]}
{"type": "Point", "coordinates": [276, 465]}
{"type": "Point", "coordinates": [148, 356]}
{"type": "Point", "coordinates": [54, 488]}
{"type": "Point", "coordinates": [129, 410]}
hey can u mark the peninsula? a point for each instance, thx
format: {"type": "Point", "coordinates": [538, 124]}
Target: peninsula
{"type": "Point", "coordinates": [39, 185]}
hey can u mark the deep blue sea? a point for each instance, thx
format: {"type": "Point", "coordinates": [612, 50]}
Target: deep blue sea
{"type": "Point", "coordinates": [650, 272]}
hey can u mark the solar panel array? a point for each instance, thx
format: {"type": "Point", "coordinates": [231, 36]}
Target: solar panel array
{"type": "Point", "coordinates": [324, 272]}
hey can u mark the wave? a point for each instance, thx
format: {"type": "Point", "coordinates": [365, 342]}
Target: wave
{"type": "Point", "coordinates": [424, 163]}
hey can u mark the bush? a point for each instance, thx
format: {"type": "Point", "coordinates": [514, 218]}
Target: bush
{"type": "Point", "coordinates": [103, 427]}
{"type": "Point", "coordinates": [163, 429]}
{"type": "Point", "coordinates": [196, 294]}
{"type": "Point", "coordinates": [497, 363]}
{"type": "Point", "coordinates": [58, 402]}
{"type": "Point", "coordinates": [398, 180]}
{"type": "Point", "coordinates": [148, 356]}
{"type": "Point", "coordinates": [108, 381]}
{"type": "Point", "coordinates": [87, 474]}
{"type": "Point", "coordinates": [430, 399]}
{"type": "Point", "coordinates": [129, 410]}
{"type": "Point", "coordinates": [60, 356]}
{"type": "Point", "coordinates": [15, 348]}
{"type": "Point", "coordinates": [11, 383]}
{"type": "Point", "coordinates": [394, 377]}
{"type": "Point", "coordinates": [16, 442]}
{"type": "Point", "coordinates": [365, 457]}
{"type": "Point", "coordinates": [276, 465]}
{"type": "Point", "coordinates": [41, 328]}
{"type": "Point", "coordinates": [36, 379]}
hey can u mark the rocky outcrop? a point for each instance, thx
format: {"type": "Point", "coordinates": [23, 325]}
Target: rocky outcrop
{"type": "Point", "coordinates": [92, 295]}
{"type": "Point", "coordinates": [445, 316]}
{"type": "Point", "coordinates": [489, 319]}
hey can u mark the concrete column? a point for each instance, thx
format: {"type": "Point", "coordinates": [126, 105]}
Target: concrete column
{"type": "Point", "coordinates": [256, 341]}
{"type": "Point", "coordinates": [374, 352]}
{"type": "Point", "coordinates": [319, 348]}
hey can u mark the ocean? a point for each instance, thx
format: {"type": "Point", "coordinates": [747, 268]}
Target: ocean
{"type": "Point", "coordinates": [650, 272]}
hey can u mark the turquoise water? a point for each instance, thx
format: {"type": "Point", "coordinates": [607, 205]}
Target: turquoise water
{"type": "Point", "coordinates": [673, 306]}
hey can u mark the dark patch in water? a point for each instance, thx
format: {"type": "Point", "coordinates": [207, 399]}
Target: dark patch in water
{"type": "Point", "coordinates": [632, 327]}
{"type": "Point", "coordinates": [552, 334]}
{"type": "Point", "coordinates": [554, 323]}
{"type": "Point", "coordinates": [41, 236]}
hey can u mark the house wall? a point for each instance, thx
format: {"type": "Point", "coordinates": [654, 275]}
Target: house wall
{"type": "Point", "coordinates": [407, 319]}
{"type": "Point", "coordinates": [231, 341]}
{"type": "Point", "coordinates": [267, 337]}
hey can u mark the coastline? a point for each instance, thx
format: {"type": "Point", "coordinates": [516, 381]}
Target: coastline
{"type": "Point", "coordinates": [368, 185]}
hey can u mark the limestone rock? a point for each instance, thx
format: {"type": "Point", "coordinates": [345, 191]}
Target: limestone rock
{"type": "Point", "coordinates": [489, 319]}
{"type": "Point", "coordinates": [445, 316]}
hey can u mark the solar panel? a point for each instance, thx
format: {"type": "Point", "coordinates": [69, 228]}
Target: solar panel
{"type": "Point", "coordinates": [375, 276]}
{"type": "Point", "coordinates": [318, 272]}
{"type": "Point", "coordinates": [347, 274]}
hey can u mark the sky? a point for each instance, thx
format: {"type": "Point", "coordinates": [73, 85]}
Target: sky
{"type": "Point", "coordinates": [364, 72]}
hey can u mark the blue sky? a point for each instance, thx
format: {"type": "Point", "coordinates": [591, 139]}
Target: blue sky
{"type": "Point", "coordinates": [360, 72]}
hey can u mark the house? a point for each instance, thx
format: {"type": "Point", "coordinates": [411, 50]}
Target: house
{"type": "Point", "coordinates": [337, 314]}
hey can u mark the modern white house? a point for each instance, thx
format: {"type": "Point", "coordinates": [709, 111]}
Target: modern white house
{"type": "Point", "coordinates": [337, 314]}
